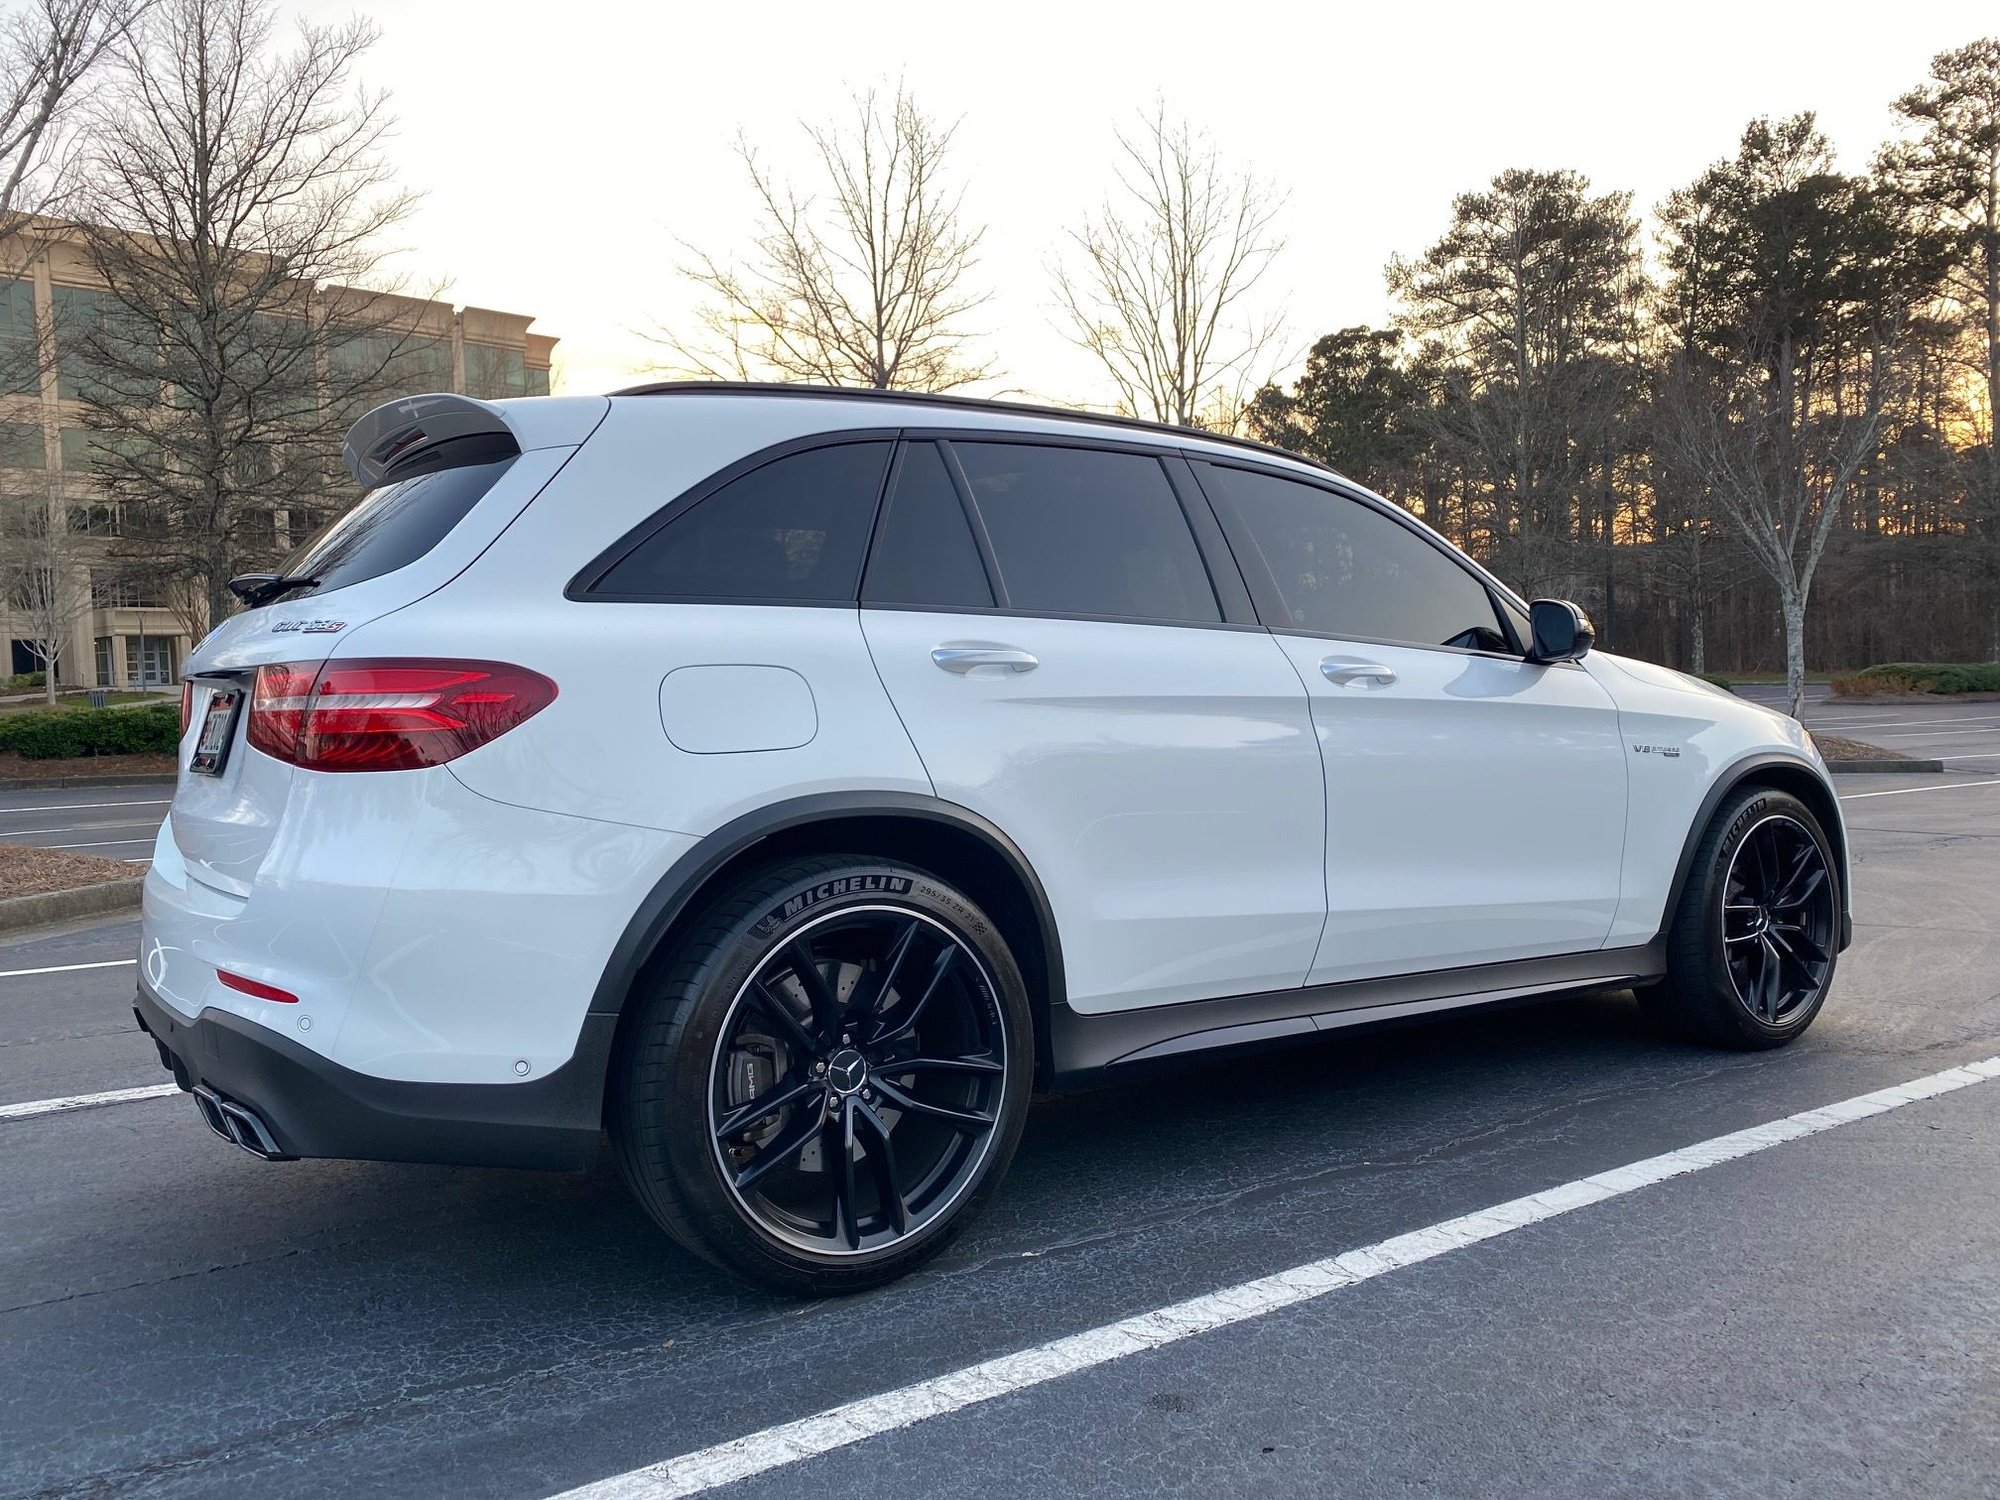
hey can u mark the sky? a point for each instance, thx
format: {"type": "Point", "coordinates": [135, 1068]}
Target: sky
{"type": "Point", "coordinates": [567, 154]}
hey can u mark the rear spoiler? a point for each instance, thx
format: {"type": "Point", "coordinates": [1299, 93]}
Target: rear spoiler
{"type": "Point", "coordinates": [394, 436]}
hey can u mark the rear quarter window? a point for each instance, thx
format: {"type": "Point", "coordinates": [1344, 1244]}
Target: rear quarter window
{"type": "Point", "coordinates": [393, 525]}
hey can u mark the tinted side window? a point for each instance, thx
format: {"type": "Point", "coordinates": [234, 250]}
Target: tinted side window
{"type": "Point", "coordinates": [924, 552]}
{"type": "Point", "coordinates": [791, 531]}
{"type": "Point", "coordinates": [393, 525]}
{"type": "Point", "coordinates": [1346, 569]}
{"type": "Point", "coordinates": [1081, 532]}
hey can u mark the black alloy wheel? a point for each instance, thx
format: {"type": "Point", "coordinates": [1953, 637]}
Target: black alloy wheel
{"type": "Point", "coordinates": [1779, 923]}
{"type": "Point", "coordinates": [1756, 932]}
{"type": "Point", "coordinates": [825, 1074]}
{"type": "Point", "coordinates": [855, 1090]}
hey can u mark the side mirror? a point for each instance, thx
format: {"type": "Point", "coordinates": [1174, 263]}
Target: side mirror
{"type": "Point", "coordinates": [1562, 631]}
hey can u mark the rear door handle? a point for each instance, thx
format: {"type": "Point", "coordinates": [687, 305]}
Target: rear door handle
{"type": "Point", "coordinates": [1342, 670]}
{"type": "Point", "coordinates": [962, 659]}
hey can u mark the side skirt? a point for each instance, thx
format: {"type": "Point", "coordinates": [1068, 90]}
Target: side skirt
{"type": "Point", "coordinates": [1085, 1044]}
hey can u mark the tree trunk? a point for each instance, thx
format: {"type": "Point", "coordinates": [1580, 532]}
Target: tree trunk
{"type": "Point", "coordinates": [1698, 653]}
{"type": "Point", "coordinates": [1795, 651]}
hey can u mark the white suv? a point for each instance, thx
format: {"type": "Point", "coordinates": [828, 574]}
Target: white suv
{"type": "Point", "coordinates": [789, 781]}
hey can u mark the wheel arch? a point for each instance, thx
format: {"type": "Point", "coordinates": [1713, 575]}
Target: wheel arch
{"type": "Point", "coordinates": [951, 841]}
{"type": "Point", "coordinates": [1782, 773]}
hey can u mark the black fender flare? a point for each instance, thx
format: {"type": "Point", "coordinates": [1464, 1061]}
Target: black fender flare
{"type": "Point", "coordinates": [1755, 768]}
{"type": "Point", "coordinates": [688, 877]}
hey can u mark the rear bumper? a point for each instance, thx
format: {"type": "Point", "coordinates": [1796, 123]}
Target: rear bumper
{"type": "Point", "coordinates": [312, 1106]}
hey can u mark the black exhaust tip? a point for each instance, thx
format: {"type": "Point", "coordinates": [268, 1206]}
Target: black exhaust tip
{"type": "Point", "coordinates": [238, 1124]}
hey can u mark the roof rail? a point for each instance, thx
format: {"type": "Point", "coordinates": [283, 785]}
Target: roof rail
{"type": "Point", "coordinates": [956, 403]}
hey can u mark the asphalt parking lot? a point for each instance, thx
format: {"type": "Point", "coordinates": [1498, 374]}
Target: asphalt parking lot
{"type": "Point", "coordinates": [1965, 736]}
{"type": "Point", "coordinates": [116, 822]}
{"type": "Point", "coordinates": [1819, 1318]}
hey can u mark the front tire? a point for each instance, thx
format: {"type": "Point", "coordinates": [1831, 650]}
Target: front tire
{"type": "Point", "coordinates": [1751, 953]}
{"type": "Point", "coordinates": [829, 1077]}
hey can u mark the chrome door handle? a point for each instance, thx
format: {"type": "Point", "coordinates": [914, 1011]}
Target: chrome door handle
{"type": "Point", "coordinates": [962, 659]}
{"type": "Point", "coordinates": [1341, 670]}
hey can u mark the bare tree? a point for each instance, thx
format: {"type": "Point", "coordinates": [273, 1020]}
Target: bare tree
{"type": "Point", "coordinates": [42, 577]}
{"type": "Point", "coordinates": [1160, 284]}
{"type": "Point", "coordinates": [236, 199]}
{"type": "Point", "coordinates": [868, 284]}
{"type": "Point", "coordinates": [1779, 464]}
{"type": "Point", "coordinates": [46, 49]}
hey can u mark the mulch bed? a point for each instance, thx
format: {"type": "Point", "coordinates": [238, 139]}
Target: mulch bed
{"type": "Point", "coordinates": [28, 871]}
{"type": "Point", "coordinates": [85, 767]}
{"type": "Point", "coordinates": [1836, 750]}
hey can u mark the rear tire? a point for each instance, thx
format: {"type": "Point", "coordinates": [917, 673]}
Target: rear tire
{"type": "Point", "coordinates": [1751, 952]}
{"type": "Point", "coordinates": [829, 1077]}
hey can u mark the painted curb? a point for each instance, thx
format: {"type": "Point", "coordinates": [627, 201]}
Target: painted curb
{"type": "Point", "coordinates": [70, 783]}
{"type": "Point", "coordinates": [1881, 767]}
{"type": "Point", "coordinates": [49, 907]}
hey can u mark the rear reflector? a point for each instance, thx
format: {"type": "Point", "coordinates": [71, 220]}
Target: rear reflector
{"type": "Point", "coordinates": [187, 705]}
{"type": "Point", "coordinates": [255, 990]}
{"type": "Point", "coordinates": [388, 715]}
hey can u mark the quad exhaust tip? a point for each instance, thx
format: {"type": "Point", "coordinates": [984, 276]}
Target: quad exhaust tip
{"type": "Point", "coordinates": [238, 1124]}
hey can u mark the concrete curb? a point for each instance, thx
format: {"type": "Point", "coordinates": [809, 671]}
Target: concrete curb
{"type": "Point", "coordinates": [49, 907]}
{"type": "Point", "coordinates": [1881, 767]}
{"type": "Point", "coordinates": [70, 783]}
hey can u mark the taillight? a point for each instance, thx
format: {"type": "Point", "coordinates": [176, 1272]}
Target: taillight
{"type": "Point", "coordinates": [187, 705]}
{"type": "Point", "coordinates": [388, 715]}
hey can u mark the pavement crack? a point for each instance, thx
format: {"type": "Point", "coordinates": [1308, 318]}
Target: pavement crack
{"type": "Point", "coordinates": [157, 1281]}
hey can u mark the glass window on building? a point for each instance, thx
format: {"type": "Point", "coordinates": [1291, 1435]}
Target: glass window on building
{"type": "Point", "coordinates": [100, 346]}
{"type": "Point", "coordinates": [113, 591]}
{"type": "Point", "coordinates": [149, 660]}
{"type": "Point", "coordinates": [20, 370]}
{"type": "Point", "coordinates": [104, 661]}
{"type": "Point", "coordinates": [21, 446]}
{"type": "Point", "coordinates": [421, 366]}
{"type": "Point", "coordinates": [385, 365]}
{"type": "Point", "coordinates": [94, 520]}
{"type": "Point", "coordinates": [84, 450]}
{"type": "Point", "coordinates": [493, 373]}
{"type": "Point", "coordinates": [538, 382]}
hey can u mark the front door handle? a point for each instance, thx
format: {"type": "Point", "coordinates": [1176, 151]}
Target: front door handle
{"type": "Point", "coordinates": [1342, 670]}
{"type": "Point", "coordinates": [963, 659]}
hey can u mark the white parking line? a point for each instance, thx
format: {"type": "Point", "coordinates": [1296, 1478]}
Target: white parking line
{"type": "Point", "coordinates": [1903, 723]}
{"type": "Point", "coordinates": [36, 1107]}
{"type": "Point", "coordinates": [1929, 734]}
{"type": "Point", "coordinates": [779, 1447]}
{"type": "Point", "coordinates": [80, 806]}
{"type": "Point", "coordinates": [77, 829]}
{"type": "Point", "coordinates": [1904, 791]}
{"type": "Point", "coordinates": [100, 844]}
{"type": "Point", "coordinates": [109, 963]}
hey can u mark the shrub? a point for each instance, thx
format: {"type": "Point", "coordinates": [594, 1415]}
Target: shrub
{"type": "Point", "coordinates": [1921, 677]}
{"type": "Point", "coordinates": [53, 734]}
{"type": "Point", "coordinates": [1716, 679]}
{"type": "Point", "coordinates": [23, 682]}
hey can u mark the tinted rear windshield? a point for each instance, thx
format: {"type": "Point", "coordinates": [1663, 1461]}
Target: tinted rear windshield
{"type": "Point", "coordinates": [393, 526]}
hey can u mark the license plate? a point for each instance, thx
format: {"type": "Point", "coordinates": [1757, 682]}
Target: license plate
{"type": "Point", "coordinates": [218, 726]}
